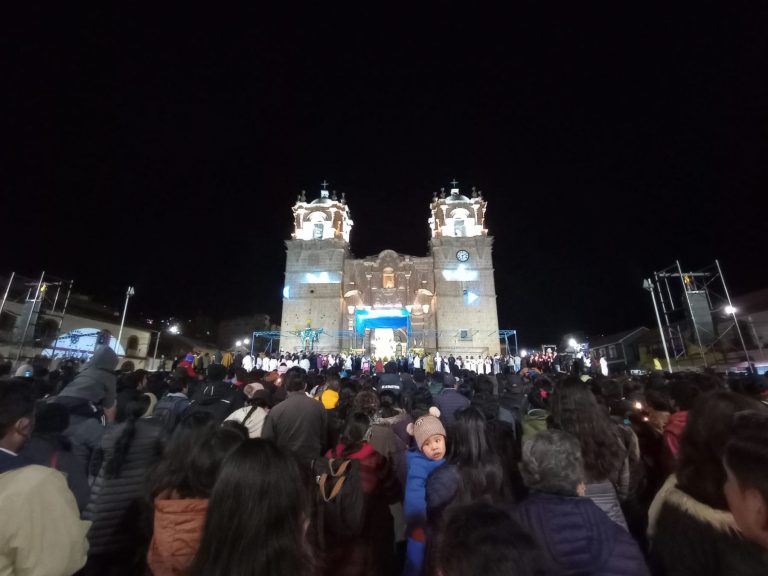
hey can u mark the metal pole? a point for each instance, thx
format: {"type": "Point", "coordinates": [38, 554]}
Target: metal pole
{"type": "Point", "coordinates": [7, 289]}
{"type": "Point", "coordinates": [517, 352]}
{"type": "Point", "coordinates": [29, 318]}
{"type": "Point", "coordinates": [61, 320]}
{"type": "Point", "coordinates": [128, 294]}
{"type": "Point", "coordinates": [56, 298]}
{"type": "Point", "coordinates": [733, 313]}
{"type": "Point", "coordinates": [690, 311]}
{"type": "Point", "coordinates": [661, 329]}
{"type": "Point", "coordinates": [157, 343]}
{"type": "Point", "coordinates": [756, 337]}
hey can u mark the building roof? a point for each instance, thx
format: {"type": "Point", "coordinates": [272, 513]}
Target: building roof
{"type": "Point", "coordinates": [618, 337]}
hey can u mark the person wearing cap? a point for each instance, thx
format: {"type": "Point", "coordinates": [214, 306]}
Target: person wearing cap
{"type": "Point", "coordinates": [429, 435]}
{"type": "Point", "coordinates": [255, 411]}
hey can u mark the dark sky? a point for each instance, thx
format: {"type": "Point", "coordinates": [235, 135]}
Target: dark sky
{"type": "Point", "coordinates": [164, 149]}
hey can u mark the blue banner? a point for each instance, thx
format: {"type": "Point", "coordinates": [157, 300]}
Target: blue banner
{"type": "Point", "coordinates": [383, 318]}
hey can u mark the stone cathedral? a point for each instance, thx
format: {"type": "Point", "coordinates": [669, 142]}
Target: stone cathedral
{"type": "Point", "coordinates": [390, 303]}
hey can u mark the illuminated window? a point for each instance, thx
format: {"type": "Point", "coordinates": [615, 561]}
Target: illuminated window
{"type": "Point", "coordinates": [388, 278]}
{"type": "Point", "coordinates": [611, 351]}
{"type": "Point", "coordinates": [318, 233]}
{"type": "Point", "coordinates": [458, 228]}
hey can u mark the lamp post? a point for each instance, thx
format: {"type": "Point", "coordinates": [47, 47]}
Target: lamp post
{"type": "Point", "coordinates": [731, 311]}
{"type": "Point", "coordinates": [128, 293]}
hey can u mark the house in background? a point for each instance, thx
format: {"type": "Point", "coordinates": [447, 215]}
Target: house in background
{"type": "Point", "coordinates": [621, 350]}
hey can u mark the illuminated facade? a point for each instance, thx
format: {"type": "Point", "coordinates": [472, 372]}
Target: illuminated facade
{"type": "Point", "coordinates": [390, 303]}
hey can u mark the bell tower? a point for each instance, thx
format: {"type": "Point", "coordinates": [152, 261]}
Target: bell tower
{"type": "Point", "coordinates": [465, 291]}
{"type": "Point", "coordinates": [314, 269]}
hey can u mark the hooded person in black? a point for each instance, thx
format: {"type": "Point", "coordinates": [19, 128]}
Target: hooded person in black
{"type": "Point", "coordinates": [91, 401]}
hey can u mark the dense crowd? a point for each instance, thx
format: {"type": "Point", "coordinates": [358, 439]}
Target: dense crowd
{"type": "Point", "coordinates": [245, 466]}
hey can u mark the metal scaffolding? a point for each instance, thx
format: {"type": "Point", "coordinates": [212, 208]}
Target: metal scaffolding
{"type": "Point", "coordinates": [693, 302]}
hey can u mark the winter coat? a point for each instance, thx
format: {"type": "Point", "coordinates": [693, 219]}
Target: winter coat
{"type": "Point", "coordinates": [298, 423]}
{"type": "Point", "coordinates": [329, 399]}
{"type": "Point", "coordinates": [389, 445]}
{"type": "Point", "coordinates": [578, 538]}
{"type": "Point", "coordinates": [391, 383]}
{"type": "Point", "coordinates": [442, 486]}
{"type": "Point", "coordinates": [372, 551]}
{"type": "Point", "coordinates": [415, 509]}
{"type": "Point", "coordinates": [218, 398]}
{"type": "Point", "coordinates": [41, 532]}
{"type": "Point", "coordinates": [690, 538]}
{"type": "Point", "coordinates": [51, 452]}
{"type": "Point", "coordinates": [254, 422]}
{"type": "Point", "coordinates": [178, 527]}
{"type": "Point", "coordinates": [115, 503]}
{"type": "Point", "coordinates": [450, 401]}
{"type": "Point", "coordinates": [96, 382]}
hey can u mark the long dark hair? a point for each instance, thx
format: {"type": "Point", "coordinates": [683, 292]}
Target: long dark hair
{"type": "Point", "coordinates": [481, 476]}
{"type": "Point", "coordinates": [355, 432]}
{"type": "Point", "coordinates": [481, 538]}
{"type": "Point", "coordinates": [700, 471]}
{"type": "Point", "coordinates": [576, 411]}
{"type": "Point", "coordinates": [256, 517]}
{"type": "Point", "coordinates": [192, 458]}
{"type": "Point", "coordinates": [135, 408]}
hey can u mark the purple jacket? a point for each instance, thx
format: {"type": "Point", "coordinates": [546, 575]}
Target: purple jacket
{"type": "Point", "coordinates": [579, 538]}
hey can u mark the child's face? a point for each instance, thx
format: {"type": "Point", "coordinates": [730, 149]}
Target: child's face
{"type": "Point", "coordinates": [434, 447]}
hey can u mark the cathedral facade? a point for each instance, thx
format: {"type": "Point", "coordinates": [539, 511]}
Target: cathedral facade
{"type": "Point", "coordinates": [390, 303]}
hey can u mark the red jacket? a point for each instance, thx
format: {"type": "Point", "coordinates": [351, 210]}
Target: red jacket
{"type": "Point", "coordinates": [370, 464]}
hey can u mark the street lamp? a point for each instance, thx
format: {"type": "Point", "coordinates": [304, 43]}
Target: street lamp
{"type": "Point", "coordinates": [128, 293]}
{"type": "Point", "coordinates": [572, 343]}
{"type": "Point", "coordinates": [730, 310]}
{"type": "Point", "coordinates": [246, 341]}
{"type": "Point", "coordinates": [239, 343]}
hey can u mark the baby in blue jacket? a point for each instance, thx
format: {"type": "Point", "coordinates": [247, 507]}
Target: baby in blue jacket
{"type": "Point", "coordinates": [429, 434]}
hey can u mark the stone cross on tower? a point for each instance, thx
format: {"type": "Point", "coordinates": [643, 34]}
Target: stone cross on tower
{"type": "Point", "coordinates": [454, 183]}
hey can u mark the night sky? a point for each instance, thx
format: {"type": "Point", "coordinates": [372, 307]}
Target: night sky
{"type": "Point", "coordinates": [164, 149]}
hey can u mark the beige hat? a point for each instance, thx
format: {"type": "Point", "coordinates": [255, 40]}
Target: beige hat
{"type": "Point", "coordinates": [426, 427]}
{"type": "Point", "coordinates": [251, 388]}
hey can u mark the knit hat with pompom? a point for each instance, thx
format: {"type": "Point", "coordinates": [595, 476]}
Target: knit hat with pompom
{"type": "Point", "coordinates": [426, 426]}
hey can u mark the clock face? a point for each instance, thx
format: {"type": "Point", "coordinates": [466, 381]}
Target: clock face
{"type": "Point", "coordinates": [462, 255]}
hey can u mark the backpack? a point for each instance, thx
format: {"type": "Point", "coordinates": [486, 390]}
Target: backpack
{"type": "Point", "coordinates": [340, 499]}
{"type": "Point", "coordinates": [219, 408]}
{"type": "Point", "coordinates": [169, 411]}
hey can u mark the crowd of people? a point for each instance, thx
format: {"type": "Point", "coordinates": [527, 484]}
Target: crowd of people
{"type": "Point", "coordinates": [323, 467]}
{"type": "Point", "coordinates": [366, 363]}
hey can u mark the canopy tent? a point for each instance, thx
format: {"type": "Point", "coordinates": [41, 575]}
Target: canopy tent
{"type": "Point", "coordinates": [382, 318]}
